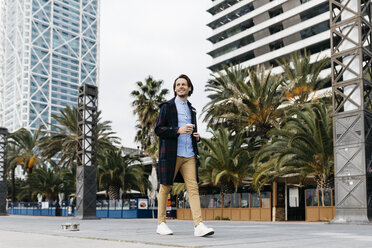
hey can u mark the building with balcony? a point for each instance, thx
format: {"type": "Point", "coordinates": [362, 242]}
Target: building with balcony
{"type": "Point", "coordinates": [257, 32]}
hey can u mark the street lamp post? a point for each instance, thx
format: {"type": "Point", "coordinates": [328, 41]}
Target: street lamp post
{"type": "Point", "coordinates": [86, 187]}
{"type": "Point", "coordinates": [3, 161]}
{"type": "Point", "coordinates": [351, 58]}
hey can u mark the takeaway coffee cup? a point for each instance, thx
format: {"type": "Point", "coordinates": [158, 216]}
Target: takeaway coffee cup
{"type": "Point", "coordinates": [190, 125]}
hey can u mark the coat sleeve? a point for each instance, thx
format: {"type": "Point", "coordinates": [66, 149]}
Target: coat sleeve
{"type": "Point", "coordinates": [162, 128]}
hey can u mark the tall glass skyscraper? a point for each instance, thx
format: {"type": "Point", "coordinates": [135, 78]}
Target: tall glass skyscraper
{"type": "Point", "coordinates": [50, 49]}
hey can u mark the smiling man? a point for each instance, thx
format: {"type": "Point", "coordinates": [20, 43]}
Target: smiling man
{"type": "Point", "coordinates": [178, 154]}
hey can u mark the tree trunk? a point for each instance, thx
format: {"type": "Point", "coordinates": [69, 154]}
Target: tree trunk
{"type": "Point", "coordinates": [153, 144]}
{"type": "Point", "coordinates": [153, 141]}
{"type": "Point", "coordinates": [13, 185]}
{"type": "Point", "coordinates": [152, 136]}
{"type": "Point", "coordinates": [227, 188]}
{"type": "Point", "coordinates": [113, 192]}
{"type": "Point", "coordinates": [154, 161]}
{"type": "Point", "coordinates": [321, 183]}
{"type": "Point", "coordinates": [322, 192]}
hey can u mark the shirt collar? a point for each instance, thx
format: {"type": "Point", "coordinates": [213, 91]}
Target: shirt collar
{"type": "Point", "coordinates": [179, 101]}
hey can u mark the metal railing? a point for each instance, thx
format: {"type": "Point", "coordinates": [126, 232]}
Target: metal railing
{"type": "Point", "coordinates": [126, 208]}
{"type": "Point", "coordinates": [33, 208]}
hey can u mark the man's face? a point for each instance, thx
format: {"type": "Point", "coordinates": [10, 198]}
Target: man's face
{"type": "Point", "coordinates": [182, 90]}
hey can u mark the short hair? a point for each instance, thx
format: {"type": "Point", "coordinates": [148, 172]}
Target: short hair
{"type": "Point", "coordinates": [189, 83]}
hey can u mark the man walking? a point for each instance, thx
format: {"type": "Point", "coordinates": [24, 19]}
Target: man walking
{"type": "Point", "coordinates": [178, 154]}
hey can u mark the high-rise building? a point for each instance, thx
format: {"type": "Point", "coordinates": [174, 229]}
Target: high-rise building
{"type": "Point", "coordinates": [50, 49]}
{"type": "Point", "coordinates": [255, 32]}
{"type": "Point", "coordinates": [2, 43]}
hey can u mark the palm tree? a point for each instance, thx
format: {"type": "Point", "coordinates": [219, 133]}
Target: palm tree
{"type": "Point", "coordinates": [24, 147]}
{"type": "Point", "coordinates": [116, 172]}
{"type": "Point", "coordinates": [13, 161]}
{"type": "Point", "coordinates": [223, 88]}
{"type": "Point", "coordinates": [24, 151]}
{"type": "Point", "coordinates": [22, 190]}
{"type": "Point", "coordinates": [261, 100]}
{"type": "Point", "coordinates": [68, 175]}
{"type": "Point", "coordinates": [227, 159]}
{"type": "Point", "coordinates": [49, 182]}
{"type": "Point", "coordinates": [304, 145]}
{"type": "Point", "coordinates": [148, 97]}
{"type": "Point", "coordinates": [63, 142]}
{"type": "Point", "coordinates": [302, 76]}
{"type": "Point", "coordinates": [246, 99]}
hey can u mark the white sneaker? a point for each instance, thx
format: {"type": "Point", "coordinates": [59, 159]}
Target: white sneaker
{"type": "Point", "coordinates": [163, 229]}
{"type": "Point", "coordinates": [202, 230]}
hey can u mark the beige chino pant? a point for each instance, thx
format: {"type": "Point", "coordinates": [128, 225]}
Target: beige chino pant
{"type": "Point", "coordinates": [187, 167]}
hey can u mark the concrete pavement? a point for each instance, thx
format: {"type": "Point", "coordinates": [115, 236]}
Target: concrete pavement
{"type": "Point", "coordinates": [34, 231]}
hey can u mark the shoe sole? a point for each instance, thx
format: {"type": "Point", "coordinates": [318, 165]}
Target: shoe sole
{"type": "Point", "coordinates": [207, 234]}
{"type": "Point", "coordinates": [165, 234]}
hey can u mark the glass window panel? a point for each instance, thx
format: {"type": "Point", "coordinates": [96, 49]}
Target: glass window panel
{"type": "Point", "coordinates": [244, 200]}
{"type": "Point", "coordinates": [209, 201]}
{"type": "Point", "coordinates": [311, 197]}
{"type": "Point", "coordinates": [231, 16]}
{"type": "Point", "coordinates": [235, 200]}
{"type": "Point", "coordinates": [327, 197]}
{"type": "Point", "coordinates": [255, 200]}
{"type": "Point", "coordinates": [126, 204]}
{"type": "Point", "coordinates": [187, 204]}
{"type": "Point", "coordinates": [227, 200]}
{"type": "Point", "coordinates": [180, 201]}
{"type": "Point", "coordinates": [202, 201]}
{"type": "Point", "coordinates": [265, 200]}
{"type": "Point", "coordinates": [217, 201]}
{"type": "Point", "coordinates": [275, 12]}
{"type": "Point", "coordinates": [133, 203]}
{"type": "Point", "coordinates": [115, 204]}
{"type": "Point", "coordinates": [105, 204]}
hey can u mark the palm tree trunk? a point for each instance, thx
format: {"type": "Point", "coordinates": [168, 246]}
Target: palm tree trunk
{"type": "Point", "coordinates": [152, 136]}
{"type": "Point", "coordinates": [13, 184]}
{"type": "Point", "coordinates": [321, 185]}
{"type": "Point", "coordinates": [154, 163]}
{"type": "Point", "coordinates": [227, 188]}
{"type": "Point", "coordinates": [322, 192]}
{"type": "Point", "coordinates": [153, 143]}
{"type": "Point", "coordinates": [113, 192]}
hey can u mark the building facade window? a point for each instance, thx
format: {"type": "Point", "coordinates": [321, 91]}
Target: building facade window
{"type": "Point", "coordinates": [231, 16]}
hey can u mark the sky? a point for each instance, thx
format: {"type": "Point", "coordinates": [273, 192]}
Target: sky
{"type": "Point", "coordinates": [163, 38]}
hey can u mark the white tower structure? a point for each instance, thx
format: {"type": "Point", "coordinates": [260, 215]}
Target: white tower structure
{"type": "Point", "coordinates": [51, 48]}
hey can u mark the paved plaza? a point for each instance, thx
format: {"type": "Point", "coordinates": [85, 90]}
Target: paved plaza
{"type": "Point", "coordinates": [34, 231]}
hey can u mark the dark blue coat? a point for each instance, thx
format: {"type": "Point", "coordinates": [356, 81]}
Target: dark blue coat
{"type": "Point", "coordinates": [166, 128]}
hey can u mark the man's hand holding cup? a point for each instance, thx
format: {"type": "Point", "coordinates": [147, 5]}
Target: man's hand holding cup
{"type": "Point", "coordinates": [187, 129]}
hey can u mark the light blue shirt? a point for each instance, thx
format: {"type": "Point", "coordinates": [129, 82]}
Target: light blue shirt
{"type": "Point", "coordinates": [184, 144]}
